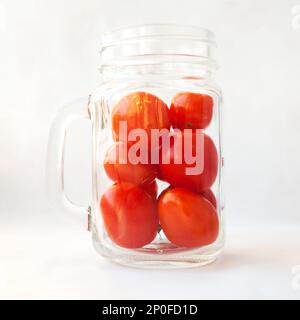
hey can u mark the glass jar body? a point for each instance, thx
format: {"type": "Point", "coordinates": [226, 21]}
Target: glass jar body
{"type": "Point", "coordinates": [164, 81]}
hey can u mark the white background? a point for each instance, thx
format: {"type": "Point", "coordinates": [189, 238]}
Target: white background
{"type": "Point", "coordinates": [49, 56]}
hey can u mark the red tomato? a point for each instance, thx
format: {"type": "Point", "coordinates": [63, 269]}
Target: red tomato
{"type": "Point", "coordinates": [191, 110]}
{"type": "Point", "coordinates": [159, 175]}
{"type": "Point", "coordinates": [141, 110]}
{"type": "Point", "coordinates": [151, 189]}
{"type": "Point", "coordinates": [175, 173]}
{"type": "Point", "coordinates": [129, 215]}
{"type": "Point", "coordinates": [187, 218]}
{"type": "Point", "coordinates": [119, 171]}
{"type": "Point", "coordinates": [209, 195]}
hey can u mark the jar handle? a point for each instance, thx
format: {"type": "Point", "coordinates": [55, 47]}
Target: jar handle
{"type": "Point", "coordinates": [55, 159]}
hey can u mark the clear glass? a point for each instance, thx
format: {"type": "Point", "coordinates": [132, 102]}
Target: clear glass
{"type": "Point", "coordinates": [163, 61]}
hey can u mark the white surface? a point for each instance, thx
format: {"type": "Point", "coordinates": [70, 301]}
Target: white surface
{"type": "Point", "coordinates": [60, 263]}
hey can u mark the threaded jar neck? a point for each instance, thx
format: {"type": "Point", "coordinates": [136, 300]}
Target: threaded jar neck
{"type": "Point", "coordinates": [158, 47]}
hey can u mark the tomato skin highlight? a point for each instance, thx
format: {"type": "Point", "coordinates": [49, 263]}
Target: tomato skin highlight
{"type": "Point", "coordinates": [141, 110]}
{"type": "Point", "coordinates": [187, 218]}
{"type": "Point", "coordinates": [175, 173]}
{"type": "Point", "coordinates": [129, 214]}
{"type": "Point", "coordinates": [119, 171]}
{"type": "Point", "coordinates": [191, 110]}
{"type": "Point", "coordinates": [210, 196]}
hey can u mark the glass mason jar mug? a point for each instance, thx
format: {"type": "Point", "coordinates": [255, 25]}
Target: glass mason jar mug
{"type": "Point", "coordinates": [157, 156]}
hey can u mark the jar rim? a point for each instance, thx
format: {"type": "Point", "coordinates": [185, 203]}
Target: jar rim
{"type": "Point", "coordinates": [154, 44]}
{"type": "Point", "coordinates": [157, 31]}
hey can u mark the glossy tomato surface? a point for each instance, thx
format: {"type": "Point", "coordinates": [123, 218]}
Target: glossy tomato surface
{"type": "Point", "coordinates": [130, 215]}
{"type": "Point", "coordinates": [175, 172]}
{"type": "Point", "coordinates": [119, 168]}
{"type": "Point", "coordinates": [187, 218]}
{"type": "Point", "coordinates": [151, 188]}
{"type": "Point", "coordinates": [191, 110]}
{"type": "Point", "coordinates": [210, 196]}
{"type": "Point", "coordinates": [140, 110]}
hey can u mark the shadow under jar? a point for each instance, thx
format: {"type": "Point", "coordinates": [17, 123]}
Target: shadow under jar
{"type": "Point", "coordinates": [157, 156]}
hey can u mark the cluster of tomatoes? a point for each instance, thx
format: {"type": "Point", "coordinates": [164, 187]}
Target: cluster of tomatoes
{"type": "Point", "coordinates": [186, 210]}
